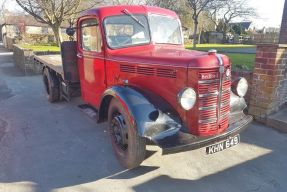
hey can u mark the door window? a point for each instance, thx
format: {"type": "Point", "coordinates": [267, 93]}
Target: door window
{"type": "Point", "coordinates": [91, 35]}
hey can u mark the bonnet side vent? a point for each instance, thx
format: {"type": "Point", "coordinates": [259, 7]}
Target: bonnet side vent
{"type": "Point", "coordinates": [127, 68]}
{"type": "Point", "coordinates": [170, 73]}
{"type": "Point", "coordinates": [146, 71]}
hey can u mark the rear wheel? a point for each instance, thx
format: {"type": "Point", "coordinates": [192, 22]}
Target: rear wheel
{"type": "Point", "coordinates": [52, 86]}
{"type": "Point", "coordinates": [128, 146]}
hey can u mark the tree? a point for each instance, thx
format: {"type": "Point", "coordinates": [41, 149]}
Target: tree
{"type": "Point", "coordinates": [197, 8]}
{"type": "Point", "coordinates": [126, 2]}
{"type": "Point", "coordinates": [167, 4]}
{"type": "Point", "coordinates": [55, 12]}
{"type": "Point", "coordinates": [222, 12]}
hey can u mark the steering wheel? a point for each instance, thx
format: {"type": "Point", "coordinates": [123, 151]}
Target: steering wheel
{"type": "Point", "coordinates": [120, 43]}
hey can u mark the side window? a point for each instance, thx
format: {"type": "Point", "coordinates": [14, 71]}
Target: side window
{"type": "Point", "coordinates": [91, 36]}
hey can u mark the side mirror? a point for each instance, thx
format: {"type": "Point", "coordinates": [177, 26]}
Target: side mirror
{"type": "Point", "coordinates": [70, 31]}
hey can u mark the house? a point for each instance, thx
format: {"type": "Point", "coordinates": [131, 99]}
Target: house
{"type": "Point", "coordinates": [26, 29]}
{"type": "Point", "coordinates": [246, 25]}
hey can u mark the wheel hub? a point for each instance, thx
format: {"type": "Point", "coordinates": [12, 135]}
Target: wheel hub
{"type": "Point", "coordinates": [119, 131]}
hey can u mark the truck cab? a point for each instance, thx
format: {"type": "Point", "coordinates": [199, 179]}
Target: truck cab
{"type": "Point", "coordinates": [129, 65]}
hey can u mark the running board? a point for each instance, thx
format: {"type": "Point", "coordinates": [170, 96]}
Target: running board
{"type": "Point", "coordinates": [89, 110]}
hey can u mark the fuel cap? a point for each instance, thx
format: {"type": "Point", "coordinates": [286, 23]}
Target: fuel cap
{"type": "Point", "coordinates": [212, 52]}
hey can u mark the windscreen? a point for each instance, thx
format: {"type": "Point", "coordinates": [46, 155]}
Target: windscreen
{"type": "Point", "coordinates": [165, 30]}
{"type": "Point", "coordinates": [126, 30]}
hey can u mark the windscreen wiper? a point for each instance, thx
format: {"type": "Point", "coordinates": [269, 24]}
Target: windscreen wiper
{"type": "Point", "coordinates": [125, 11]}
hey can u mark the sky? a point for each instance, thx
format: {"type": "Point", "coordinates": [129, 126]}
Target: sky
{"type": "Point", "coordinates": [269, 11]}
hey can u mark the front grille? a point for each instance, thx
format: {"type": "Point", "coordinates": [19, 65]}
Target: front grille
{"type": "Point", "coordinates": [208, 91]}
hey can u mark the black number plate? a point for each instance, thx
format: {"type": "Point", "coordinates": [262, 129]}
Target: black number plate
{"type": "Point", "coordinates": [232, 141]}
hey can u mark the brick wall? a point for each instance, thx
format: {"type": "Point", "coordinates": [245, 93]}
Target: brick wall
{"type": "Point", "coordinates": [283, 33]}
{"type": "Point", "coordinates": [269, 84]}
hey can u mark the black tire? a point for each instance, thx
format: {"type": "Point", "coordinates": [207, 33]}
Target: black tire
{"type": "Point", "coordinates": [130, 149]}
{"type": "Point", "coordinates": [52, 86]}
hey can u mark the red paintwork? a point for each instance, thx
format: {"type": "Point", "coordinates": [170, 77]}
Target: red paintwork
{"type": "Point", "coordinates": [103, 70]}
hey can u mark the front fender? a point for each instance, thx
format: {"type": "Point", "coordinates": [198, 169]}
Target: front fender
{"type": "Point", "coordinates": [150, 120]}
{"type": "Point", "coordinates": [237, 106]}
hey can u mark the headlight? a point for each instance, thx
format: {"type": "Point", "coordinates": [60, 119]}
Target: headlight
{"type": "Point", "coordinates": [240, 87]}
{"type": "Point", "coordinates": [187, 98]}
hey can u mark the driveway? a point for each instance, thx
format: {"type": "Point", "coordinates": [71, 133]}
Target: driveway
{"type": "Point", "coordinates": [56, 148]}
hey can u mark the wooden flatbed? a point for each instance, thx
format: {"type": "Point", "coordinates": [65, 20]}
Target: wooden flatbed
{"type": "Point", "coordinates": [52, 61]}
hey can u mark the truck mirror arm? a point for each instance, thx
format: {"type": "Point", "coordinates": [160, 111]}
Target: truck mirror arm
{"type": "Point", "coordinates": [70, 31]}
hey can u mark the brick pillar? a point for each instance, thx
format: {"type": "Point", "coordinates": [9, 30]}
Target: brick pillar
{"type": "Point", "coordinates": [283, 32]}
{"type": "Point", "coordinates": [268, 90]}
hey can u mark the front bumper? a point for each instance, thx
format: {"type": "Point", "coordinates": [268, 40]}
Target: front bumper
{"type": "Point", "coordinates": [180, 141]}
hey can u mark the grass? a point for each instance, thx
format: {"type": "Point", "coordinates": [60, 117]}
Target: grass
{"type": "Point", "coordinates": [239, 60]}
{"type": "Point", "coordinates": [242, 61]}
{"type": "Point", "coordinates": [40, 48]}
{"type": "Point", "coordinates": [219, 47]}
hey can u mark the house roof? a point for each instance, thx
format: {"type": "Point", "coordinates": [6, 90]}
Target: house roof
{"type": "Point", "coordinates": [244, 25]}
{"type": "Point", "coordinates": [26, 20]}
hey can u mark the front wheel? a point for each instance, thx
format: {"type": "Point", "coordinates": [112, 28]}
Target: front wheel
{"type": "Point", "coordinates": [129, 148]}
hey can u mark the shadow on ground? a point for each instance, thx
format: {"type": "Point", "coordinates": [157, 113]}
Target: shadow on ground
{"type": "Point", "coordinates": [266, 173]}
{"type": "Point", "coordinates": [249, 176]}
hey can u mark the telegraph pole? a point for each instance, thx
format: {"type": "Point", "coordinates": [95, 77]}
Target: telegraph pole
{"type": "Point", "coordinates": [283, 31]}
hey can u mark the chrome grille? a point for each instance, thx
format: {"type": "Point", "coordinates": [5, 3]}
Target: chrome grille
{"type": "Point", "coordinates": [208, 90]}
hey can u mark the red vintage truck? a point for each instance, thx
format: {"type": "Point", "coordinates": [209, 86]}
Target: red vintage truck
{"type": "Point", "coordinates": [130, 66]}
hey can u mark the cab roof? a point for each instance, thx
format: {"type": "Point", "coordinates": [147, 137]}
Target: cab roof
{"type": "Point", "coordinates": [106, 11]}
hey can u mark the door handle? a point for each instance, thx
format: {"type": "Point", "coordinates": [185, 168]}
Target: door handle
{"type": "Point", "coordinates": [79, 55]}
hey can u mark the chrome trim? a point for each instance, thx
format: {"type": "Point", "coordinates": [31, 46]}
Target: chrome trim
{"type": "Point", "coordinates": [212, 51]}
{"type": "Point", "coordinates": [224, 115]}
{"type": "Point", "coordinates": [208, 121]}
{"type": "Point", "coordinates": [208, 94]}
{"type": "Point", "coordinates": [213, 120]}
{"type": "Point", "coordinates": [221, 71]}
{"type": "Point", "coordinates": [208, 81]}
{"type": "Point", "coordinates": [207, 108]}
{"type": "Point", "coordinates": [226, 90]}
{"type": "Point", "coordinates": [224, 104]}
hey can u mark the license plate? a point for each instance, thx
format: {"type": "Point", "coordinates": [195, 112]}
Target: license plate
{"type": "Point", "coordinates": [230, 142]}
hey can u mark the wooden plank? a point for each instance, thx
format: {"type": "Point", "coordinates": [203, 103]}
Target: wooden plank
{"type": "Point", "coordinates": [52, 61]}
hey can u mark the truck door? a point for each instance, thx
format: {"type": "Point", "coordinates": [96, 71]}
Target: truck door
{"type": "Point", "coordinates": [91, 61]}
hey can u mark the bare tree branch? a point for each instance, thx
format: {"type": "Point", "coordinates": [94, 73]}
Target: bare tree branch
{"type": "Point", "coordinates": [226, 11]}
{"type": "Point", "coordinates": [55, 12]}
{"type": "Point", "coordinates": [197, 7]}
